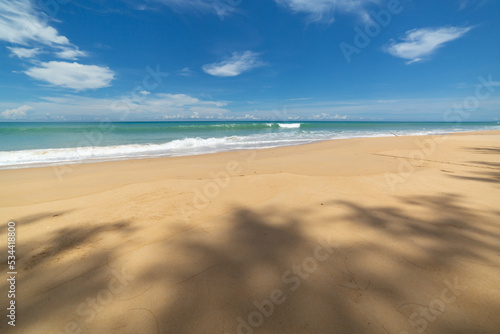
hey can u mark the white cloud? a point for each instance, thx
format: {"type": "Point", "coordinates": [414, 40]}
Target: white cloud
{"type": "Point", "coordinates": [319, 10]}
{"type": "Point", "coordinates": [181, 103]}
{"type": "Point", "coordinates": [169, 100]}
{"type": "Point", "coordinates": [23, 52]}
{"type": "Point", "coordinates": [20, 24]}
{"type": "Point", "coordinates": [327, 116]}
{"type": "Point", "coordinates": [130, 107]}
{"type": "Point", "coordinates": [420, 43]}
{"type": "Point", "coordinates": [18, 113]}
{"type": "Point", "coordinates": [72, 75]}
{"type": "Point", "coordinates": [70, 53]}
{"type": "Point", "coordinates": [238, 63]}
{"type": "Point", "coordinates": [339, 117]}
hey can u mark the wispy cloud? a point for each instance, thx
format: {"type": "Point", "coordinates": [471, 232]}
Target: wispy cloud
{"type": "Point", "coordinates": [146, 106]}
{"type": "Point", "coordinates": [300, 99]}
{"type": "Point", "coordinates": [222, 8]}
{"type": "Point", "coordinates": [339, 116]}
{"type": "Point", "coordinates": [182, 104]}
{"type": "Point", "coordinates": [70, 53]}
{"type": "Point", "coordinates": [463, 4]}
{"type": "Point", "coordinates": [328, 116]}
{"type": "Point", "coordinates": [20, 24]}
{"type": "Point", "coordinates": [161, 106]}
{"type": "Point", "coordinates": [237, 64]}
{"type": "Point", "coordinates": [17, 113]}
{"type": "Point", "coordinates": [476, 3]}
{"type": "Point", "coordinates": [163, 100]}
{"type": "Point", "coordinates": [24, 52]}
{"type": "Point", "coordinates": [186, 72]}
{"type": "Point", "coordinates": [30, 32]}
{"type": "Point", "coordinates": [420, 43]}
{"type": "Point", "coordinates": [324, 10]}
{"type": "Point", "coordinates": [72, 75]}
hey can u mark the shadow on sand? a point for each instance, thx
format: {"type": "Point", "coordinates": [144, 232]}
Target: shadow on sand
{"type": "Point", "coordinates": [490, 172]}
{"type": "Point", "coordinates": [352, 268]}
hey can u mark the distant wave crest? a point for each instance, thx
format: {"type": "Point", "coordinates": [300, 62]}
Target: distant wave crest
{"type": "Point", "coordinates": [289, 125]}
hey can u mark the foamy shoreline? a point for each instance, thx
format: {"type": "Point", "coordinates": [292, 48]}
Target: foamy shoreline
{"type": "Point", "coordinates": [186, 147]}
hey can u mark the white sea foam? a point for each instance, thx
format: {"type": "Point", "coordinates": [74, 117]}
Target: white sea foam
{"type": "Point", "coordinates": [81, 154]}
{"type": "Point", "coordinates": [187, 146]}
{"type": "Point", "coordinates": [289, 125]}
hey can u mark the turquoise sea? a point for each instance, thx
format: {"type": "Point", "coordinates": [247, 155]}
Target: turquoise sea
{"type": "Point", "coordinates": [40, 144]}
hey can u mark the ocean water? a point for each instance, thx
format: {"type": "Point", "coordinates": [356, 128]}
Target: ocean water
{"type": "Point", "coordinates": [40, 144]}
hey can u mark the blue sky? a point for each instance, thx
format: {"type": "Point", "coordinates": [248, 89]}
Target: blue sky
{"type": "Point", "coordinates": [132, 60]}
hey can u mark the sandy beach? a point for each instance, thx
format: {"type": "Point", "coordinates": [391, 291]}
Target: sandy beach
{"type": "Point", "coordinates": [372, 235]}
